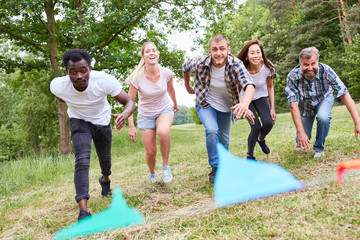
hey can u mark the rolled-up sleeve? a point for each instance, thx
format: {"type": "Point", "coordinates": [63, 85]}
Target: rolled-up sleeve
{"type": "Point", "coordinates": [244, 77]}
{"type": "Point", "coordinates": [335, 82]}
{"type": "Point", "coordinates": [190, 66]}
{"type": "Point", "coordinates": [291, 91]}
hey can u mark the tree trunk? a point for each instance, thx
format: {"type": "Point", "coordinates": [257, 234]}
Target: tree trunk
{"type": "Point", "coordinates": [340, 22]}
{"type": "Point", "coordinates": [293, 7]}
{"type": "Point", "coordinates": [36, 146]}
{"type": "Point", "coordinates": [347, 28]}
{"type": "Point", "coordinates": [64, 141]}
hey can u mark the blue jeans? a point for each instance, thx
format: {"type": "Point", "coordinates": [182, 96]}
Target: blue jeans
{"type": "Point", "coordinates": [82, 133]}
{"type": "Point", "coordinates": [217, 128]}
{"type": "Point", "coordinates": [323, 118]}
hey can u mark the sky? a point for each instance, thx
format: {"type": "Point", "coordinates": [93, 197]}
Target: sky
{"type": "Point", "coordinates": [184, 41]}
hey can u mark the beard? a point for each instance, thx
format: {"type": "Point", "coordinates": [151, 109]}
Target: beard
{"type": "Point", "coordinates": [310, 75]}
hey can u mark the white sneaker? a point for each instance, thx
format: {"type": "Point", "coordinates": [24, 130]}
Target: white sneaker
{"type": "Point", "coordinates": [167, 176]}
{"type": "Point", "coordinates": [152, 178]}
{"type": "Point", "coordinates": [297, 148]}
{"type": "Point", "coordinates": [319, 154]}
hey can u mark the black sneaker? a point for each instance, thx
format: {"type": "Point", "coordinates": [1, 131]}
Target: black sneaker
{"type": "Point", "coordinates": [250, 157]}
{"type": "Point", "coordinates": [105, 188]}
{"type": "Point", "coordinates": [83, 214]}
{"type": "Point", "coordinates": [212, 175]}
{"type": "Point", "coordinates": [263, 146]}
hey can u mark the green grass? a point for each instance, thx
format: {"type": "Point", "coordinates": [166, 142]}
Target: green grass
{"type": "Point", "coordinates": [37, 193]}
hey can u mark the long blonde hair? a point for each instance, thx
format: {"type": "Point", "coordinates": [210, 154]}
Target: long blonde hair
{"type": "Point", "coordinates": [136, 75]}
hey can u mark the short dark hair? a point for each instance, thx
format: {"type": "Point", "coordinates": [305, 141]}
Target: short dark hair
{"type": "Point", "coordinates": [76, 55]}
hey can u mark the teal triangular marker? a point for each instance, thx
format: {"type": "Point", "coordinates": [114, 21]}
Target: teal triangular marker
{"type": "Point", "coordinates": [118, 215]}
{"type": "Point", "coordinates": [238, 180]}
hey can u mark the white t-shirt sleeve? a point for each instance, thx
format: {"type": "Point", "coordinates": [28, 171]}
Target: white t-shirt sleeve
{"type": "Point", "coordinates": [57, 86]}
{"type": "Point", "coordinates": [53, 87]}
{"type": "Point", "coordinates": [112, 86]}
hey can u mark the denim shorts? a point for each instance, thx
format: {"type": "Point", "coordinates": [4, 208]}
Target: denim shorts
{"type": "Point", "coordinates": [149, 122]}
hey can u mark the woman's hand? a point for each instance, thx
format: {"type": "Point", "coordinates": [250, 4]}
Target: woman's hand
{"type": "Point", "coordinates": [132, 133]}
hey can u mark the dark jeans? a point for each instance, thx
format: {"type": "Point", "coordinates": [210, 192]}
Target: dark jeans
{"type": "Point", "coordinates": [261, 106]}
{"type": "Point", "coordinates": [82, 133]}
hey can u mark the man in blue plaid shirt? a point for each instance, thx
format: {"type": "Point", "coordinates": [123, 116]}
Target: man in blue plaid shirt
{"type": "Point", "coordinates": [309, 90]}
{"type": "Point", "coordinates": [218, 78]}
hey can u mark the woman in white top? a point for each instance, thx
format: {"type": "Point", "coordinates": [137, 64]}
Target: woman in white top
{"type": "Point", "coordinates": [155, 113]}
{"type": "Point", "coordinates": [262, 72]}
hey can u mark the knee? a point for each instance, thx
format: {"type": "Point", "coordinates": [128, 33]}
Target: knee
{"type": "Point", "coordinates": [105, 157]}
{"type": "Point", "coordinates": [323, 118]}
{"type": "Point", "coordinates": [267, 125]}
{"type": "Point", "coordinates": [163, 134]}
{"type": "Point", "coordinates": [256, 128]}
{"type": "Point", "coordinates": [212, 132]}
{"type": "Point", "coordinates": [82, 162]}
{"type": "Point", "coordinates": [151, 153]}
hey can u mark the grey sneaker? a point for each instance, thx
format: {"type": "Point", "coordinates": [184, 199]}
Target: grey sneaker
{"type": "Point", "coordinates": [167, 176]}
{"type": "Point", "coordinates": [319, 154]}
{"type": "Point", "coordinates": [152, 178]}
{"type": "Point", "coordinates": [105, 188]}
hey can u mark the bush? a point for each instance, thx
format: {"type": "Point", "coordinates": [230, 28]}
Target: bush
{"type": "Point", "coordinates": [195, 116]}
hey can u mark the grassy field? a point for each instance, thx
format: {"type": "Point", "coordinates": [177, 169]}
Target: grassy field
{"type": "Point", "coordinates": [37, 194]}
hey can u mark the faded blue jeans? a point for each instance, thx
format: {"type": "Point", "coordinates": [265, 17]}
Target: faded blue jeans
{"type": "Point", "coordinates": [82, 133]}
{"type": "Point", "coordinates": [217, 129]}
{"type": "Point", "coordinates": [323, 118]}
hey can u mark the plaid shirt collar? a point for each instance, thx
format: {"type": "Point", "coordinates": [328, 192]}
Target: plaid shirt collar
{"type": "Point", "coordinates": [203, 81]}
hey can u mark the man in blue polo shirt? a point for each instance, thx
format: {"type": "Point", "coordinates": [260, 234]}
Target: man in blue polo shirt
{"type": "Point", "coordinates": [309, 90]}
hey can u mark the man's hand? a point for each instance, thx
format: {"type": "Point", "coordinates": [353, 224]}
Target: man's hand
{"type": "Point", "coordinates": [189, 89]}
{"type": "Point", "coordinates": [132, 133]}
{"type": "Point", "coordinates": [357, 130]}
{"type": "Point", "coordinates": [241, 110]}
{"type": "Point", "coordinates": [303, 141]}
{"type": "Point", "coordinates": [119, 121]}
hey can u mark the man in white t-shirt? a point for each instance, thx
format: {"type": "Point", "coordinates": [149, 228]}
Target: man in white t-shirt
{"type": "Point", "coordinates": [85, 93]}
{"type": "Point", "coordinates": [215, 85]}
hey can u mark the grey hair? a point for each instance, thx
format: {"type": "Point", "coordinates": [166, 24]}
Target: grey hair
{"type": "Point", "coordinates": [308, 53]}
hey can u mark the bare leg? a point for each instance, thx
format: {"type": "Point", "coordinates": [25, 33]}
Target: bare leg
{"type": "Point", "coordinates": [83, 204]}
{"type": "Point", "coordinates": [163, 125]}
{"type": "Point", "coordinates": [149, 140]}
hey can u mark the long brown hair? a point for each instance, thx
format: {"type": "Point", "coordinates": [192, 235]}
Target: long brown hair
{"type": "Point", "coordinates": [244, 52]}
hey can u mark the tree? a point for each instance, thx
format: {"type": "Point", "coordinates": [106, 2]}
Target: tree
{"type": "Point", "coordinates": [195, 116]}
{"type": "Point", "coordinates": [182, 116]}
{"type": "Point", "coordinates": [110, 30]}
{"type": "Point", "coordinates": [287, 28]}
